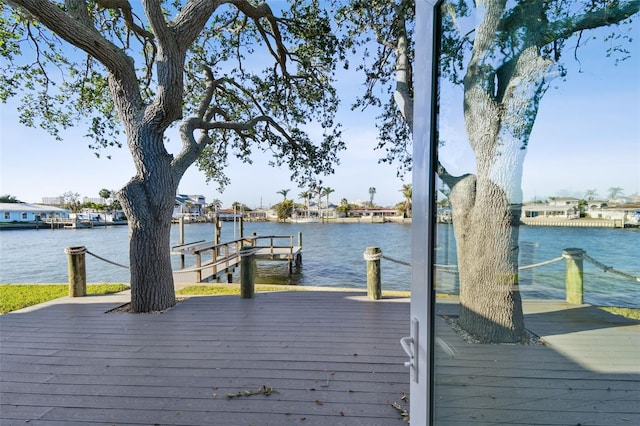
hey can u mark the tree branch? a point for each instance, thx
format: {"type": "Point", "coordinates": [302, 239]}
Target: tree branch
{"type": "Point", "coordinates": [564, 28]}
{"type": "Point", "coordinates": [125, 8]}
{"type": "Point", "coordinates": [73, 30]}
{"type": "Point", "coordinates": [447, 178]}
{"type": "Point", "coordinates": [78, 9]}
{"type": "Point", "coordinates": [260, 11]}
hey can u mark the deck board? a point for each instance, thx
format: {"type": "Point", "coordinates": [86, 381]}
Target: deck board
{"type": "Point", "coordinates": [71, 364]}
{"type": "Point", "coordinates": [333, 358]}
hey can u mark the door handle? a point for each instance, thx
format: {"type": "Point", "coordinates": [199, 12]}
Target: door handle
{"type": "Point", "coordinates": [410, 346]}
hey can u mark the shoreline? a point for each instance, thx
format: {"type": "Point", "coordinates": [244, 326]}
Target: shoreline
{"type": "Point", "coordinates": [578, 223]}
{"type": "Point", "coordinates": [43, 225]}
{"type": "Point", "coordinates": [546, 222]}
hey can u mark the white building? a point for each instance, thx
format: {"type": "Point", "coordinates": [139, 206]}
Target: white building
{"type": "Point", "coordinates": [628, 213]}
{"type": "Point", "coordinates": [189, 206]}
{"type": "Point", "coordinates": [558, 208]}
{"type": "Point", "coordinates": [27, 213]}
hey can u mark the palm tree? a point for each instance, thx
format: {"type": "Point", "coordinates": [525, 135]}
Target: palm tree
{"type": "Point", "coordinates": [615, 192]}
{"type": "Point", "coordinates": [407, 193]}
{"type": "Point", "coordinates": [372, 192]}
{"type": "Point", "coordinates": [316, 188]}
{"type": "Point", "coordinates": [216, 204]}
{"type": "Point", "coordinates": [283, 192]}
{"type": "Point", "coordinates": [238, 207]}
{"type": "Point", "coordinates": [590, 194]}
{"type": "Point", "coordinates": [104, 193]}
{"type": "Point", "coordinates": [284, 209]}
{"type": "Point", "coordinates": [306, 196]}
{"type": "Point", "coordinates": [326, 191]}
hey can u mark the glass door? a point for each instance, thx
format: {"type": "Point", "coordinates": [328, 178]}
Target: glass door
{"type": "Point", "coordinates": [526, 184]}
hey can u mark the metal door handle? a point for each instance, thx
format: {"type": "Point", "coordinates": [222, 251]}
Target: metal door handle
{"type": "Point", "coordinates": [407, 343]}
{"type": "Point", "coordinates": [410, 346]}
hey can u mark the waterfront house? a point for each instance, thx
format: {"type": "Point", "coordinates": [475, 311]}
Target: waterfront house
{"type": "Point", "coordinates": [627, 213]}
{"type": "Point", "coordinates": [30, 213]}
{"type": "Point", "coordinates": [258, 215]}
{"type": "Point", "coordinates": [375, 214]}
{"type": "Point", "coordinates": [322, 209]}
{"type": "Point", "coordinates": [229, 215]}
{"type": "Point", "coordinates": [190, 207]}
{"type": "Point", "coordinates": [558, 208]}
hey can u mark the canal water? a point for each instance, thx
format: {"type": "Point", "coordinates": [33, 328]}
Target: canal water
{"type": "Point", "coordinates": [333, 256]}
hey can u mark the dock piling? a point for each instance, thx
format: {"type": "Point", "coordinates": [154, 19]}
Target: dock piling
{"type": "Point", "coordinates": [374, 282]}
{"type": "Point", "coordinates": [77, 271]}
{"type": "Point", "coordinates": [247, 266]}
{"type": "Point", "coordinates": [181, 239]}
{"type": "Point", "coordinates": [574, 277]}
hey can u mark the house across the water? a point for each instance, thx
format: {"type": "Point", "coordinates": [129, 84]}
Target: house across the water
{"type": "Point", "coordinates": [30, 213]}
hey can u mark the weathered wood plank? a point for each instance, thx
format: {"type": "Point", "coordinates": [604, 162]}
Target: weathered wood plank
{"type": "Point", "coordinates": [70, 363]}
{"type": "Point", "coordinates": [88, 366]}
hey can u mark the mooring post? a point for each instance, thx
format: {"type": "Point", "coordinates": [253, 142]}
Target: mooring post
{"type": "Point", "coordinates": [574, 277]}
{"type": "Point", "coordinates": [299, 255]}
{"type": "Point", "coordinates": [247, 265]}
{"type": "Point", "coordinates": [181, 239]}
{"type": "Point", "coordinates": [217, 232]}
{"type": "Point", "coordinates": [77, 271]}
{"type": "Point", "coordinates": [374, 284]}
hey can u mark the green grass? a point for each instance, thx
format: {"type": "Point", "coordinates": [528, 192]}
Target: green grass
{"type": "Point", "coordinates": [18, 296]}
{"type": "Point", "coordinates": [234, 289]}
{"type": "Point", "coordinates": [229, 289]}
{"type": "Point", "coordinates": [631, 313]}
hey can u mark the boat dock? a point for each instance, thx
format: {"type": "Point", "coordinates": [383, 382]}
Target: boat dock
{"type": "Point", "coordinates": [212, 260]}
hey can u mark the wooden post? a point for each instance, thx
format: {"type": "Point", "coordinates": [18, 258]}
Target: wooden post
{"type": "Point", "coordinates": [374, 284]}
{"type": "Point", "coordinates": [198, 265]}
{"type": "Point", "coordinates": [217, 229]}
{"type": "Point", "coordinates": [247, 265]}
{"type": "Point", "coordinates": [181, 239]}
{"type": "Point", "coordinates": [77, 271]}
{"type": "Point", "coordinates": [574, 276]}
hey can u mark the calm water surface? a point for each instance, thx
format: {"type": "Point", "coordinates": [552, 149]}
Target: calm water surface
{"type": "Point", "coordinates": [332, 256]}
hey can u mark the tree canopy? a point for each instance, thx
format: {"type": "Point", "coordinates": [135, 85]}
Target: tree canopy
{"type": "Point", "coordinates": [7, 198]}
{"type": "Point", "coordinates": [250, 78]}
{"type": "Point", "coordinates": [555, 29]}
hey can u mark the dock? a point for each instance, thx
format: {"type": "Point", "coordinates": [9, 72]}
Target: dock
{"type": "Point", "coordinates": [305, 358]}
{"type": "Point", "coordinates": [212, 261]}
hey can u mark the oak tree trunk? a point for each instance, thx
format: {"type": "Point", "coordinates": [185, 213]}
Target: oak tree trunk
{"type": "Point", "coordinates": [148, 201]}
{"type": "Point", "coordinates": [486, 229]}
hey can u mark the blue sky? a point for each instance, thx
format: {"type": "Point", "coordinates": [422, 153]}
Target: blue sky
{"type": "Point", "coordinates": [587, 136]}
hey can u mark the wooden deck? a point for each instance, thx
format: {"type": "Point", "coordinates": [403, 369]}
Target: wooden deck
{"type": "Point", "coordinates": [70, 363]}
{"type": "Point", "coordinates": [326, 358]}
{"type": "Point", "coordinates": [587, 373]}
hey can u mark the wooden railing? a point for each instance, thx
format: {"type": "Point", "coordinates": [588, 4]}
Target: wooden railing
{"type": "Point", "coordinates": [226, 256]}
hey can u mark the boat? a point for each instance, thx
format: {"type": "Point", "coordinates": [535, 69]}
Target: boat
{"type": "Point", "coordinates": [304, 220]}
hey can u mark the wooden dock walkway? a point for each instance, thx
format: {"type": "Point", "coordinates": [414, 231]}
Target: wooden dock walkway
{"type": "Point", "coordinates": [323, 358]}
{"type": "Point", "coordinates": [224, 258]}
